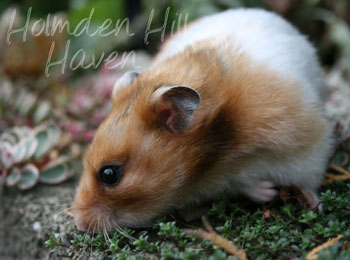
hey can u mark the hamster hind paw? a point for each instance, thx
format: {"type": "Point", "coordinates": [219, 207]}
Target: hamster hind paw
{"type": "Point", "coordinates": [314, 201]}
{"type": "Point", "coordinates": [260, 192]}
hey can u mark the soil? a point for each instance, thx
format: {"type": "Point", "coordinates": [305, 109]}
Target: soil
{"type": "Point", "coordinates": [29, 218]}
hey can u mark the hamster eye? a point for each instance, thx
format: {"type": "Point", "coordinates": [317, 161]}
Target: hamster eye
{"type": "Point", "coordinates": [110, 174]}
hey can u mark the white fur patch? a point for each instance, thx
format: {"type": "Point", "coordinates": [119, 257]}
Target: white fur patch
{"type": "Point", "coordinates": [266, 37]}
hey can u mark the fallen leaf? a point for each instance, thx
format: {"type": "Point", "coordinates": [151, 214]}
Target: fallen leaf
{"type": "Point", "coordinates": [267, 213]}
{"type": "Point", "coordinates": [297, 197]}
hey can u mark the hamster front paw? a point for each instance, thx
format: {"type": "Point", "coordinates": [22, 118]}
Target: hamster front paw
{"type": "Point", "coordinates": [260, 192]}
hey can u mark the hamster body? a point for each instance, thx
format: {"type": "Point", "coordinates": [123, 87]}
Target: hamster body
{"type": "Point", "coordinates": [234, 102]}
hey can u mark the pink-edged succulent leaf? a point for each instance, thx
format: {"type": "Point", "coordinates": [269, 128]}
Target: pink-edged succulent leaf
{"type": "Point", "coordinates": [18, 133]}
{"type": "Point", "coordinates": [30, 145]}
{"type": "Point", "coordinates": [47, 137]}
{"type": "Point", "coordinates": [20, 98]}
{"type": "Point", "coordinates": [13, 177]}
{"type": "Point", "coordinates": [54, 134]}
{"type": "Point", "coordinates": [42, 137]}
{"type": "Point", "coordinates": [9, 138]}
{"type": "Point", "coordinates": [42, 112]}
{"type": "Point", "coordinates": [29, 177]}
{"type": "Point", "coordinates": [6, 157]}
{"type": "Point", "coordinates": [25, 149]}
{"type": "Point", "coordinates": [57, 171]}
{"type": "Point", "coordinates": [6, 90]}
{"type": "Point", "coordinates": [28, 104]}
{"type": "Point", "coordinates": [19, 152]}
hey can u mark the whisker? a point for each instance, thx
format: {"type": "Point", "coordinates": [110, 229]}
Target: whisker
{"type": "Point", "coordinates": [121, 231]}
{"type": "Point", "coordinates": [65, 200]}
{"type": "Point", "coordinates": [93, 232]}
{"type": "Point", "coordinates": [58, 215]}
{"type": "Point", "coordinates": [88, 230]}
{"type": "Point", "coordinates": [104, 233]}
{"type": "Point", "coordinates": [109, 239]}
{"type": "Point", "coordinates": [98, 224]}
{"type": "Point", "coordinates": [63, 211]}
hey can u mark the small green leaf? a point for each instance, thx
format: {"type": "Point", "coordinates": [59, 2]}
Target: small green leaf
{"type": "Point", "coordinates": [14, 177]}
{"type": "Point", "coordinates": [30, 176]}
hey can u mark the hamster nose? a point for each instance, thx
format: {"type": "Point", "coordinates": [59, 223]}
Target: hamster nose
{"type": "Point", "coordinates": [80, 224]}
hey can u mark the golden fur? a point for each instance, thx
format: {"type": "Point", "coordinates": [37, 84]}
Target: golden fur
{"type": "Point", "coordinates": [244, 112]}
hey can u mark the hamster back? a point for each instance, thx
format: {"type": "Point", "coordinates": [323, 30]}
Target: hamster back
{"type": "Point", "coordinates": [233, 103]}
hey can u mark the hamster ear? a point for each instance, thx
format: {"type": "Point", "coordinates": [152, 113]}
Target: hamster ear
{"type": "Point", "coordinates": [124, 81]}
{"type": "Point", "coordinates": [174, 106]}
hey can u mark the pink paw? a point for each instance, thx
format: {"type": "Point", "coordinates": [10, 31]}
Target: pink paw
{"type": "Point", "coordinates": [260, 192]}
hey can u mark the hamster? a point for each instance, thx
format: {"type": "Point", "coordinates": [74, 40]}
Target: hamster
{"type": "Point", "coordinates": [232, 103]}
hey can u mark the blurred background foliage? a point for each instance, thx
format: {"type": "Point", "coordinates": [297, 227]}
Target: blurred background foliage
{"type": "Point", "coordinates": [326, 22]}
{"type": "Point", "coordinates": [75, 97]}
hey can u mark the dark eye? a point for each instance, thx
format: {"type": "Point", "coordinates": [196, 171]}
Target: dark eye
{"type": "Point", "coordinates": [110, 174]}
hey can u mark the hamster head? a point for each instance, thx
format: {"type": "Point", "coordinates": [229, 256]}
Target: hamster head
{"type": "Point", "coordinates": [139, 160]}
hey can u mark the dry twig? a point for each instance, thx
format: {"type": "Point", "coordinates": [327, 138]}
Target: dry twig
{"type": "Point", "coordinates": [330, 178]}
{"type": "Point", "coordinates": [339, 169]}
{"type": "Point", "coordinates": [215, 238]}
{"type": "Point", "coordinates": [313, 253]}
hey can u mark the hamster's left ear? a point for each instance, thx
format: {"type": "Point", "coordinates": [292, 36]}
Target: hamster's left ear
{"type": "Point", "coordinates": [174, 106]}
{"type": "Point", "coordinates": [124, 81]}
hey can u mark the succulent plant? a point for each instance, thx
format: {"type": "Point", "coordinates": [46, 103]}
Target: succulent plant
{"type": "Point", "coordinates": [25, 158]}
{"type": "Point", "coordinates": [20, 106]}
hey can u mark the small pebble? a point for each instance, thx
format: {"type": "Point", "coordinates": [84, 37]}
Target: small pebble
{"type": "Point", "coordinates": [37, 226]}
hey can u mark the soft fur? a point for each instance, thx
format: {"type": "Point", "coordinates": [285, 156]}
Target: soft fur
{"type": "Point", "coordinates": [260, 122]}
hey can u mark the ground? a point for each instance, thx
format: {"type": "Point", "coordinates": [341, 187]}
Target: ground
{"type": "Point", "coordinates": [273, 231]}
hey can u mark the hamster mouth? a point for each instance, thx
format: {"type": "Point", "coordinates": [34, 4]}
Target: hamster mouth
{"type": "Point", "coordinates": [94, 219]}
{"type": "Point", "coordinates": [80, 223]}
{"type": "Point", "coordinates": [105, 223]}
{"type": "Point", "coordinates": [100, 218]}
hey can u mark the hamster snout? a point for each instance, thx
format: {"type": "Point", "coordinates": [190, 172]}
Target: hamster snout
{"type": "Point", "coordinates": [219, 110]}
{"type": "Point", "coordinates": [80, 224]}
